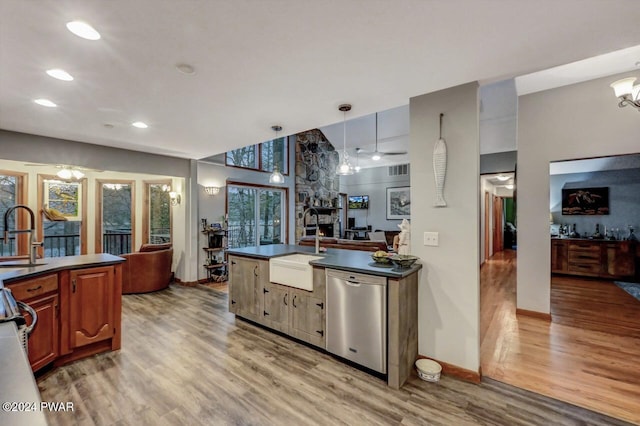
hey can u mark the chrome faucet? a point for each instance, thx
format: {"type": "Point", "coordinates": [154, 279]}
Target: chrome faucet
{"type": "Point", "coordinates": [304, 214]}
{"type": "Point", "coordinates": [33, 246]}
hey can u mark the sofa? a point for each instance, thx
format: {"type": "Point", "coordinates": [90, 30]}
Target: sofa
{"type": "Point", "coordinates": [148, 269]}
{"type": "Point", "coordinates": [339, 243]}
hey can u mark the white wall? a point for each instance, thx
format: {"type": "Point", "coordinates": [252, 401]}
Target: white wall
{"type": "Point", "coordinates": [577, 121]}
{"type": "Point", "coordinates": [374, 183]}
{"type": "Point", "coordinates": [448, 306]}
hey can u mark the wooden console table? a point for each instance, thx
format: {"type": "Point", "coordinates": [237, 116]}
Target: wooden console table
{"type": "Point", "coordinates": [594, 258]}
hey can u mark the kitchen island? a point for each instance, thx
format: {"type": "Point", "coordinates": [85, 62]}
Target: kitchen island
{"type": "Point", "coordinates": [301, 314]}
{"type": "Point", "coordinates": [78, 303]}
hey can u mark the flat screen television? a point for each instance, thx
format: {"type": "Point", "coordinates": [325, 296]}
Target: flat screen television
{"type": "Point", "coordinates": [358, 201]}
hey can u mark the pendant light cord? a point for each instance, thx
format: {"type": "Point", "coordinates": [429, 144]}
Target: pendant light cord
{"type": "Point", "coordinates": [441, 115]}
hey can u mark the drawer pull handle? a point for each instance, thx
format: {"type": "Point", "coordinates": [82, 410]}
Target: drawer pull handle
{"type": "Point", "coordinates": [34, 289]}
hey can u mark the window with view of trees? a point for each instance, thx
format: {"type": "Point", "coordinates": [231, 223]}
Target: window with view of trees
{"type": "Point", "coordinates": [11, 193]}
{"type": "Point", "coordinates": [115, 217]}
{"type": "Point", "coordinates": [157, 214]}
{"type": "Point", "coordinates": [256, 215]}
{"type": "Point", "coordinates": [64, 237]}
{"type": "Point", "coordinates": [263, 157]}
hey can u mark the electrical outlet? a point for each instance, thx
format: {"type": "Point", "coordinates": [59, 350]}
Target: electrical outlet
{"type": "Point", "coordinates": [430, 238]}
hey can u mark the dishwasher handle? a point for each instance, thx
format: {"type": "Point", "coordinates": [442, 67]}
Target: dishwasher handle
{"type": "Point", "coordinates": [353, 283]}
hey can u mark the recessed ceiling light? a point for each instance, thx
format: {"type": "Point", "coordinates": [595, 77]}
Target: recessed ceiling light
{"type": "Point", "coordinates": [186, 69]}
{"type": "Point", "coordinates": [108, 125]}
{"type": "Point", "coordinates": [45, 102]}
{"type": "Point", "coordinates": [60, 74]}
{"type": "Point", "coordinates": [139, 124]}
{"type": "Point", "coordinates": [84, 30]}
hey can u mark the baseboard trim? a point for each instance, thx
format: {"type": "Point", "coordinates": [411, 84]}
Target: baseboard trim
{"type": "Point", "coordinates": [455, 371]}
{"type": "Point", "coordinates": [185, 283]}
{"type": "Point", "coordinates": [533, 314]}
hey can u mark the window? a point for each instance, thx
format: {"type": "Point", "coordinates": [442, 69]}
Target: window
{"type": "Point", "coordinates": [262, 157]}
{"type": "Point", "coordinates": [66, 200]}
{"type": "Point", "coordinates": [114, 222]}
{"type": "Point", "coordinates": [157, 213]}
{"type": "Point", "coordinates": [12, 192]}
{"type": "Point", "coordinates": [257, 215]}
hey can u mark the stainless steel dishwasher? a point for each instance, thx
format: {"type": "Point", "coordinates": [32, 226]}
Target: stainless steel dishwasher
{"type": "Point", "coordinates": [356, 315]}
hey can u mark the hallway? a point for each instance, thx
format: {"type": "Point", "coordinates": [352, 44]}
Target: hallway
{"type": "Point", "coordinates": [588, 355]}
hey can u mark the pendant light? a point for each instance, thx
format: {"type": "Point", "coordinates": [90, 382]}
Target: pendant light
{"type": "Point", "coordinates": [276, 177]}
{"type": "Point", "coordinates": [345, 168]}
{"type": "Point", "coordinates": [376, 155]}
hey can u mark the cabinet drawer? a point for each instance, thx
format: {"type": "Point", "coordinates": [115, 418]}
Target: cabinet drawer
{"type": "Point", "coordinates": [34, 287]}
{"type": "Point", "coordinates": [589, 257]}
{"type": "Point", "coordinates": [585, 268]}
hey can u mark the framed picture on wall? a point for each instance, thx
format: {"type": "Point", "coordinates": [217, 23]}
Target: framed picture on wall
{"type": "Point", "coordinates": [399, 203]}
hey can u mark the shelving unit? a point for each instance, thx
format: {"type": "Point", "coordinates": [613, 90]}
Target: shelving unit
{"type": "Point", "coordinates": [216, 260]}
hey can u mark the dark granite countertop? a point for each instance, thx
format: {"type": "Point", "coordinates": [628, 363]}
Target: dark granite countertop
{"type": "Point", "coordinates": [344, 260]}
{"type": "Point", "coordinates": [55, 264]}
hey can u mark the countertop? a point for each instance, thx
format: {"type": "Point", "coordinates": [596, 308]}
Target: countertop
{"type": "Point", "coordinates": [344, 260]}
{"type": "Point", "coordinates": [592, 240]}
{"type": "Point", "coordinates": [17, 382]}
{"type": "Point", "coordinates": [55, 264]}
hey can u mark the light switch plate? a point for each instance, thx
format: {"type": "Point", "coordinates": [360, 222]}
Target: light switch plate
{"type": "Point", "coordinates": [430, 238]}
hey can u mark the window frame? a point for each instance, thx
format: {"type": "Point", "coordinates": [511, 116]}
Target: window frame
{"type": "Point", "coordinates": [98, 225]}
{"type": "Point", "coordinates": [83, 219]}
{"type": "Point", "coordinates": [145, 209]}
{"type": "Point", "coordinates": [284, 169]}
{"type": "Point", "coordinates": [22, 195]}
{"type": "Point", "coordinates": [259, 187]}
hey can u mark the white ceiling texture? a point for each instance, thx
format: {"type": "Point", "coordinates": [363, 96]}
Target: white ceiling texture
{"type": "Point", "coordinates": [287, 62]}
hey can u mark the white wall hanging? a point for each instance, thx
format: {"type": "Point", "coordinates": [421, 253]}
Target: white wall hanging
{"type": "Point", "coordinates": [440, 167]}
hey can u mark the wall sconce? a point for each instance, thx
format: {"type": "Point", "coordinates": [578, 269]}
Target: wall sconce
{"type": "Point", "coordinates": [211, 190]}
{"type": "Point", "coordinates": [175, 198]}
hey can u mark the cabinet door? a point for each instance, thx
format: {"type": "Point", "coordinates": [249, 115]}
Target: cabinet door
{"type": "Point", "coordinates": [245, 287]}
{"type": "Point", "coordinates": [559, 257]}
{"type": "Point", "coordinates": [276, 307]}
{"type": "Point", "coordinates": [43, 341]}
{"type": "Point", "coordinates": [306, 317]}
{"type": "Point", "coordinates": [92, 305]}
{"type": "Point", "coordinates": [620, 260]}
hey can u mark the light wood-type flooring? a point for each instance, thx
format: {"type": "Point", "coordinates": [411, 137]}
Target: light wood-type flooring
{"type": "Point", "coordinates": [186, 361]}
{"type": "Point", "coordinates": [588, 355]}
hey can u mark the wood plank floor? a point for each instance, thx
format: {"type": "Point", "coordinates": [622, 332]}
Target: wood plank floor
{"type": "Point", "coordinates": [588, 355]}
{"type": "Point", "coordinates": [186, 361]}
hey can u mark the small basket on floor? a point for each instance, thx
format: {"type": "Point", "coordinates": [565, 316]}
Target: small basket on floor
{"type": "Point", "coordinates": [428, 370]}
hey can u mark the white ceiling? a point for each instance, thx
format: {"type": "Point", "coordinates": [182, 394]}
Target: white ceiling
{"type": "Point", "coordinates": [260, 63]}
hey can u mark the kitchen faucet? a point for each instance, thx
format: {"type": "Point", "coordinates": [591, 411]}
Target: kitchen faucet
{"type": "Point", "coordinates": [304, 214]}
{"type": "Point", "coordinates": [33, 246]}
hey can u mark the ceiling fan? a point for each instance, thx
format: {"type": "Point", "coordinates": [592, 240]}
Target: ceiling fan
{"type": "Point", "coordinates": [376, 154]}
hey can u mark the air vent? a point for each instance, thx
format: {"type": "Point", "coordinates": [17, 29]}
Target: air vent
{"type": "Point", "coordinates": [399, 170]}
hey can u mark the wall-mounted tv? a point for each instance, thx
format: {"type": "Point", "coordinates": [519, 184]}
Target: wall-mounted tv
{"type": "Point", "coordinates": [585, 201]}
{"type": "Point", "coordinates": [358, 201]}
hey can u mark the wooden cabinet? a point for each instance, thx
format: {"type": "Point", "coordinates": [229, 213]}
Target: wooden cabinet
{"type": "Point", "coordinates": [593, 258]}
{"type": "Point", "coordinates": [247, 278]}
{"type": "Point", "coordinates": [92, 303]}
{"type": "Point", "coordinates": [295, 312]}
{"type": "Point", "coordinates": [559, 257]}
{"type": "Point", "coordinates": [41, 294]}
{"type": "Point", "coordinates": [298, 313]}
{"type": "Point", "coordinates": [619, 259]}
{"type": "Point", "coordinates": [276, 307]}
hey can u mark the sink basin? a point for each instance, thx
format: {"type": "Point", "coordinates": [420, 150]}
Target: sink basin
{"type": "Point", "coordinates": [293, 270]}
